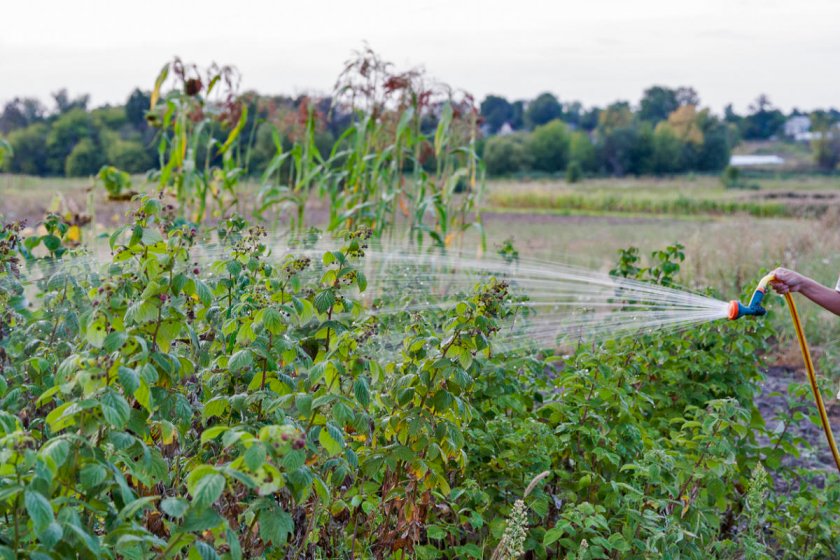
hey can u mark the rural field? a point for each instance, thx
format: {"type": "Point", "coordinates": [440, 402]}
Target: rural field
{"type": "Point", "coordinates": [291, 341]}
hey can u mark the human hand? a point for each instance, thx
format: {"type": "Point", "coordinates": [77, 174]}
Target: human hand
{"type": "Point", "coordinates": [787, 281]}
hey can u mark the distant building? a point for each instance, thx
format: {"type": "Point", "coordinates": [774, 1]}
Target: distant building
{"type": "Point", "coordinates": [797, 127]}
{"type": "Point", "coordinates": [505, 129]}
{"type": "Point", "coordinates": [754, 160]}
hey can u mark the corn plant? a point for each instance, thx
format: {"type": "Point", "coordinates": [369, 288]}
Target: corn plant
{"type": "Point", "coordinates": [197, 163]}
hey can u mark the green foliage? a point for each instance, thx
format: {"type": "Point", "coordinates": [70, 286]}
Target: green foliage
{"type": "Point", "coordinates": [506, 155]}
{"type": "Point", "coordinates": [574, 172]}
{"type": "Point", "coordinates": [30, 147]}
{"type": "Point", "coordinates": [84, 159]}
{"type": "Point", "coordinates": [116, 182]}
{"type": "Point", "coordinates": [247, 406]}
{"type": "Point", "coordinates": [549, 146]}
{"type": "Point", "coordinates": [542, 110]}
{"type": "Point", "coordinates": [6, 151]}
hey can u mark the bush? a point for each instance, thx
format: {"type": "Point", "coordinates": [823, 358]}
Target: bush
{"type": "Point", "coordinates": [574, 173]}
{"type": "Point", "coordinates": [549, 146]}
{"type": "Point", "coordinates": [505, 155]}
{"type": "Point", "coordinates": [84, 159]}
{"type": "Point", "coordinates": [129, 155]}
{"type": "Point", "coordinates": [247, 407]}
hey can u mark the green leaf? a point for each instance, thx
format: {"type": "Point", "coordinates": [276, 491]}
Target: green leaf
{"type": "Point", "coordinates": [332, 439]}
{"type": "Point", "coordinates": [553, 535]}
{"type": "Point", "coordinates": [241, 360]}
{"type": "Point", "coordinates": [144, 396]}
{"type": "Point", "coordinates": [272, 321]}
{"type": "Point", "coordinates": [92, 475]}
{"type": "Point", "coordinates": [324, 300]}
{"type": "Point", "coordinates": [96, 332]}
{"type": "Point", "coordinates": [275, 525]}
{"type": "Point", "coordinates": [361, 391]}
{"type": "Point", "coordinates": [114, 341]}
{"type": "Point", "coordinates": [207, 490]}
{"type": "Point", "coordinates": [39, 510]}
{"type": "Point", "coordinates": [56, 450]}
{"type": "Point", "coordinates": [114, 408]}
{"type": "Point", "coordinates": [174, 507]}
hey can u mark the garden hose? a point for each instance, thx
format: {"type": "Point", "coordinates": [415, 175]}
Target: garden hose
{"type": "Point", "coordinates": [737, 310]}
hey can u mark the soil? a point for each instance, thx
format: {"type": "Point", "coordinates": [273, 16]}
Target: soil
{"type": "Point", "coordinates": [772, 401]}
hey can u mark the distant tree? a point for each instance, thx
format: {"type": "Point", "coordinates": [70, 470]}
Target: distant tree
{"type": "Point", "coordinates": [616, 115]}
{"type": "Point", "coordinates": [496, 111]}
{"type": "Point", "coordinates": [545, 108]}
{"type": "Point", "coordinates": [128, 155]}
{"type": "Point", "coordinates": [30, 148]}
{"type": "Point", "coordinates": [687, 96]}
{"type": "Point", "coordinates": [549, 146]}
{"type": "Point", "coordinates": [573, 113]}
{"type": "Point", "coordinates": [582, 151]}
{"type": "Point", "coordinates": [589, 119]}
{"type": "Point", "coordinates": [64, 104]}
{"type": "Point", "coordinates": [67, 131]}
{"type": "Point", "coordinates": [683, 121]}
{"type": "Point", "coordinates": [716, 150]}
{"type": "Point", "coordinates": [657, 103]}
{"type": "Point", "coordinates": [626, 148]}
{"type": "Point", "coordinates": [20, 113]}
{"type": "Point", "coordinates": [84, 159]}
{"type": "Point", "coordinates": [136, 107]}
{"type": "Point", "coordinates": [826, 144]}
{"type": "Point", "coordinates": [518, 116]}
{"type": "Point", "coordinates": [504, 155]}
{"type": "Point", "coordinates": [763, 121]}
{"type": "Point", "coordinates": [667, 150]}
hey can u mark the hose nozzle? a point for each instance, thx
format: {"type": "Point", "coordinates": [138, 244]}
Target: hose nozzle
{"type": "Point", "coordinates": [738, 309]}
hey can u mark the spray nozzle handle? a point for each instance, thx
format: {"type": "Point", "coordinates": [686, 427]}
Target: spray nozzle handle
{"type": "Point", "coordinates": [738, 309]}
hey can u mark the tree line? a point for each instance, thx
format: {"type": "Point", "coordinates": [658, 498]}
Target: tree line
{"type": "Point", "coordinates": [667, 132]}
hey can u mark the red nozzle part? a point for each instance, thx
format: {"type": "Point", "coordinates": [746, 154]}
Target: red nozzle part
{"type": "Point", "coordinates": [733, 310]}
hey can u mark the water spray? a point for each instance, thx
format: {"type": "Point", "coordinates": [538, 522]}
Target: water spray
{"type": "Point", "coordinates": [738, 310]}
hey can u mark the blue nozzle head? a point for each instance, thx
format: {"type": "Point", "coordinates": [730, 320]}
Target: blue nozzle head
{"type": "Point", "coordinates": [738, 309]}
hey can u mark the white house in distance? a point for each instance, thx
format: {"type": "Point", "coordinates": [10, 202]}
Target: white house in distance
{"type": "Point", "coordinates": [799, 128]}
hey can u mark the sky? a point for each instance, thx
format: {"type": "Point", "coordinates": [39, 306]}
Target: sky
{"type": "Point", "coordinates": [594, 51]}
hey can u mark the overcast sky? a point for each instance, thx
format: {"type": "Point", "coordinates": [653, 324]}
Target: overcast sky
{"type": "Point", "coordinates": [595, 51]}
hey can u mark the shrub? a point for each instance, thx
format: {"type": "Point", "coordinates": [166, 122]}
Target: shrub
{"type": "Point", "coordinates": [505, 155]}
{"type": "Point", "coordinates": [84, 159]}
{"type": "Point", "coordinates": [249, 406]}
{"type": "Point", "coordinates": [574, 172]}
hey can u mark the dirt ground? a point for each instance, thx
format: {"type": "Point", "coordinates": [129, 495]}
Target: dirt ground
{"type": "Point", "coordinates": [772, 401]}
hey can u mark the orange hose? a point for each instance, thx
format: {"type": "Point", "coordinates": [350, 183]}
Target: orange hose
{"type": "Point", "coordinates": [809, 365]}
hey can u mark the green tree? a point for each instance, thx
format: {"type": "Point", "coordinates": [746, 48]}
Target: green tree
{"type": "Point", "coordinates": [66, 131]}
{"type": "Point", "coordinates": [84, 159]}
{"type": "Point", "coordinates": [136, 107]}
{"type": "Point", "coordinates": [657, 103]}
{"type": "Point", "coordinates": [549, 146]}
{"type": "Point", "coordinates": [20, 113]}
{"type": "Point", "coordinates": [545, 108]}
{"type": "Point", "coordinates": [496, 111]}
{"type": "Point", "coordinates": [667, 150]}
{"type": "Point", "coordinates": [582, 151]}
{"type": "Point", "coordinates": [504, 155]}
{"type": "Point", "coordinates": [129, 155]}
{"type": "Point", "coordinates": [763, 121]}
{"type": "Point", "coordinates": [30, 148]}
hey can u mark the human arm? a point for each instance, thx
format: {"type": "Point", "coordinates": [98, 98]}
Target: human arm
{"type": "Point", "coordinates": [785, 281]}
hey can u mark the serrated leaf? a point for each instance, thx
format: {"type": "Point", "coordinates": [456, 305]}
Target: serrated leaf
{"type": "Point", "coordinates": [39, 510]}
{"type": "Point", "coordinates": [361, 391]}
{"type": "Point", "coordinates": [241, 360]}
{"type": "Point", "coordinates": [174, 507]}
{"type": "Point", "coordinates": [92, 475]}
{"type": "Point", "coordinates": [275, 525]}
{"type": "Point", "coordinates": [324, 300]}
{"type": "Point", "coordinates": [207, 490]}
{"type": "Point", "coordinates": [115, 409]}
